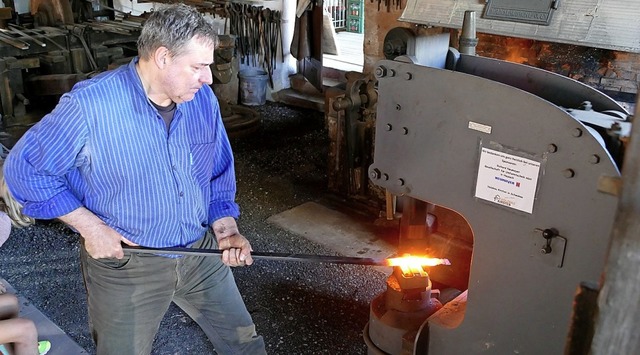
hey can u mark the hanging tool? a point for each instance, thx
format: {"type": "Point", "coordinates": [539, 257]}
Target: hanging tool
{"type": "Point", "coordinates": [277, 17]}
{"type": "Point", "coordinates": [265, 40]}
{"type": "Point", "coordinates": [258, 35]}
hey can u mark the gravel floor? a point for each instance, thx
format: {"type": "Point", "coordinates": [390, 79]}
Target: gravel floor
{"type": "Point", "coordinates": [299, 308]}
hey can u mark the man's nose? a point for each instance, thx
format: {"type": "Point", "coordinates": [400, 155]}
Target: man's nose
{"type": "Point", "coordinates": [205, 76]}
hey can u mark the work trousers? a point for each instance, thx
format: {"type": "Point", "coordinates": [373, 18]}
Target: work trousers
{"type": "Point", "coordinates": [128, 298]}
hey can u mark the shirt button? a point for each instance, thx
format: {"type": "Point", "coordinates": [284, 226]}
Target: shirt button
{"type": "Point", "coordinates": [181, 193]}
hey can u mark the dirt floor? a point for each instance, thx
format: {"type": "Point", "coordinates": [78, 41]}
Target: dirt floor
{"type": "Point", "coordinates": [299, 308]}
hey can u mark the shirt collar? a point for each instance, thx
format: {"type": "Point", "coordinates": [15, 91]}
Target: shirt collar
{"type": "Point", "coordinates": [131, 68]}
{"type": "Point", "coordinates": [133, 73]}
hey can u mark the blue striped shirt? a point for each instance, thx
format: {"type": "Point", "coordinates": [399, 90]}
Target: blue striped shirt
{"type": "Point", "coordinates": [105, 147]}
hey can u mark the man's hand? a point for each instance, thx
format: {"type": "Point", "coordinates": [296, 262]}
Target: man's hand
{"type": "Point", "coordinates": [104, 242]}
{"type": "Point", "coordinates": [100, 240]}
{"type": "Point", "coordinates": [237, 249]}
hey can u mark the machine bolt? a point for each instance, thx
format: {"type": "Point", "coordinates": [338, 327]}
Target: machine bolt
{"type": "Point", "coordinates": [380, 72]}
{"type": "Point", "coordinates": [398, 107]}
{"type": "Point", "coordinates": [594, 159]}
{"type": "Point", "coordinates": [385, 177]}
{"type": "Point", "coordinates": [391, 72]}
{"type": "Point", "coordinates": [552, 148]}
{"type": "Point", "coordinates": [400, 182]}
{"type": "Point", "coordinates": [388, 127]}
{"type": "Point", "coordinates": [374, 174]}
{"type": "Point", "coordinates": [405, 130]}
{"type": "Point", "coordinates": [549, 233]}
{"type": "Point", "coordinates": [342, 103]}
{"type": "Point", "coordinates": [577, 132]}
{"type": "Point", "coordinates": [408, 76]}
{"type": "Point", "coordinates": [568, 173]}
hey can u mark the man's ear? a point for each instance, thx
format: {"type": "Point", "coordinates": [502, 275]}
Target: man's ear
{"type": "Point", "coordinates": [161, 56]}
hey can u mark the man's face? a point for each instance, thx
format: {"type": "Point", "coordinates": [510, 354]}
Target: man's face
{"type": "Point", "coordinates": [185, 74]}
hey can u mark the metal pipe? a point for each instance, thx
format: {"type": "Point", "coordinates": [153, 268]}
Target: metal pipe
{"type": "Point", "coordinates": [262, 255]}
{"type": "Point", "coordinates": [468, 40]}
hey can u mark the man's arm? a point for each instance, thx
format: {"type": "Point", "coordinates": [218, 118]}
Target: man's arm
{"type": "Point", "coordinates": [36, 166]}
{"type": "Point", "coordinates": [100, 240]}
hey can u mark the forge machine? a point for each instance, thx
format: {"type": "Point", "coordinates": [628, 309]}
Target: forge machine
{"type": "Point", "coordinates": [498, 165]}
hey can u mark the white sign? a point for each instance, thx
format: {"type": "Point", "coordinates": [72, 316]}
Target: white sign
{"type": "Point", "coordinates": [507, 179]}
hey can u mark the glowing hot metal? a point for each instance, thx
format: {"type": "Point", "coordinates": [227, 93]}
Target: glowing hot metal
{"type": "Point", "coordinates": [413, 265]}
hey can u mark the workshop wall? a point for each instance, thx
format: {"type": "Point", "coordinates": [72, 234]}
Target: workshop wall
{"type": "Point", "coordinates": [285, 66]}
{"type": "Point", "coordinates": [614, 72]}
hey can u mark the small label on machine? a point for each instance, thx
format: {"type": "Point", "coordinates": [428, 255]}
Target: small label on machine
{"type": "Point", "coordinates": [480, 127]}
{"type": "Point", "coordinates": [508, 180]}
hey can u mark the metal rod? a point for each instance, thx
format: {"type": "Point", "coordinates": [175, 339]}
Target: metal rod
{"type": "Point", "coordinates": [14, 42]}
{"type": "Point", "coordinates": [23, 34]}
{"type": "Point", "coordinates": [263, 255]}
{"type": "Point", "coordinates": [44, 35]}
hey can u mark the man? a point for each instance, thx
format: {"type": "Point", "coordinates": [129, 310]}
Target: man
{"type": "Point", "coordinates": [139, 155]}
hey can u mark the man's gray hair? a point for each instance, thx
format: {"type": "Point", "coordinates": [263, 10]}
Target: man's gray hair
{"type": "Point", "coordinates": [173, 26]}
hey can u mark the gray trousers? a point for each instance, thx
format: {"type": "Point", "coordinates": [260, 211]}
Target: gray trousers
{"type": "Point", "coordinates": [128, 298]}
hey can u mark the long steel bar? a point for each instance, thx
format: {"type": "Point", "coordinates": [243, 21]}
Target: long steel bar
{"type": "Point", "coordinates": [14, 42]}
{"type": "Point", "coordinates": [43, 34]}
{"type": "Point", "coordinates": [26, 35]}
{"type": "Point", "coordinates": [264, 255]}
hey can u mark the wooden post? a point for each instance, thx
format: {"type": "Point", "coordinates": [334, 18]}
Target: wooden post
{"type": "Point", "coordinates": [618, 318]}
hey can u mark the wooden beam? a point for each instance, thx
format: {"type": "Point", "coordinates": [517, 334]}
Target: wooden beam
{"type": "Point", "coordinates": [6, 13]}
{"type": "Point", "coordinates": [618, 318]}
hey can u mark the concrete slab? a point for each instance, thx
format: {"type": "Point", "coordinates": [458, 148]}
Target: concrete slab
{"type": "Point", "coordinates": [347, 235]}
{"type": "Point", "coordinates": [61, 343]}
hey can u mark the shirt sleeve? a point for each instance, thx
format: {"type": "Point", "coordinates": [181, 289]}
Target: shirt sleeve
{"type": "Point", "coordinates": [36, 166]}
{"type": "Point", "coordinates": [223, 181]}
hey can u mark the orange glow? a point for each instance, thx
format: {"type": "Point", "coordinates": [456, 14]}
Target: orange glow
{"type": "Point", "coordinates": [412, 265]}
{"type": "Point", "coordinates": [519, 50]}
